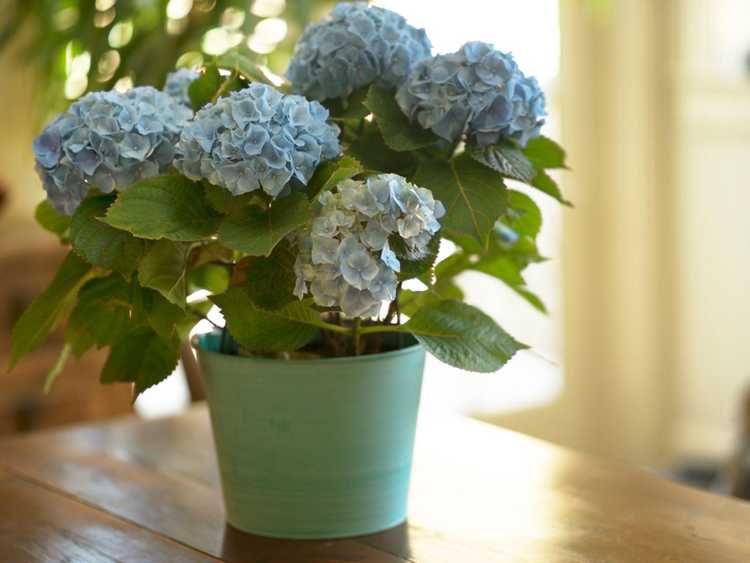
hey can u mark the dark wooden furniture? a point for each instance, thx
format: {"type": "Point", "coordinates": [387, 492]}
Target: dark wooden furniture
{"type": "Point", "coordinates": [149, 491]}
{"type": "Point", "coordinates": [25, 270]}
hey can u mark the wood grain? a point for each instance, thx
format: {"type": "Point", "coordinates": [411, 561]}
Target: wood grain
{"type": "Point", "coordinates": [479, 494]}
{"type": "Point", "coordinates": [163, 476]}
{"type": "Point", "coordinates": [46, 526]}
{"type": "Point", "coordinates": [76, 396]}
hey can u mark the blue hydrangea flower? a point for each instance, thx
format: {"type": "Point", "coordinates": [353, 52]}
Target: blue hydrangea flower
{"type": "Point", "coordinates": [355, 46]}
{"type": "Point", "coordinates": [345, 259]}
{"type": "Point", "coordinates": [476, 91]}
{"type": "Point", "coordinates": [257, 138]}
{"type": "Point", "coordinates": [177, 85]}
{"type": "Point", "coordinates": [107, 140]}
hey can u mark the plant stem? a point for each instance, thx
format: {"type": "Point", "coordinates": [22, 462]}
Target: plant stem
{"type": "Point", "coordinates": [398, 308]}
{"type": "Point", "coordinates": [398, 315]}
{"type": "Point", "coordinates": [329, 326]}
{"type": "Point", "coordinates": [223, 345]}
{"type": "Point", "coordinates": [224, 86]}
{"type": "Point", "coordinates": [356, 331]}
{"type": "Point", "coordinates": [381, 328]}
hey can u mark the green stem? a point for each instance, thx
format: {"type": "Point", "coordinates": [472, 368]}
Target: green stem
{"type": "Point", "coordinates": [398, 315]}
{"type": "Point", "coordinates": [356, 328]}
{"type": "Point", "coordinates": [372, 329]}
{"type": "Point", "coordinates": [223, 346]}
{"type": "Point", "coordinates": [224, 86]}
{"type": "Point", "coordinates": [328, 326]}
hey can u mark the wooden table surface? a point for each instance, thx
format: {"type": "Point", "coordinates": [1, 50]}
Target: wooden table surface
{"type": "Point", "coordinates": [143, 491]}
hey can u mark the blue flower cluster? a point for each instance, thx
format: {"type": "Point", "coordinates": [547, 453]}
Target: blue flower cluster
{"type": "Point", "coordinates": [357, 45]}
{"type": "Point", "coordinates": [177, 85]}
{"type": "Point", "coordinates": [257, 137]}
{"type": "Point", "coordinates": [107, 140]}
{"type": "Point", "coordinates": [477, 91]}
{"type": "Point", "coordinates": [345, 259]}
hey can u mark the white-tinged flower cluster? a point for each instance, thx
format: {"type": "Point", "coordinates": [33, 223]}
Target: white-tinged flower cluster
{"type": "Point", "coordinates": [477, 91]}
{"type": "Point", "coordinates": [257, 137]}
{"type": "Point", "coordinates": [353, 47]}
{"type": "Point", "coordinates": [107, 140]}
{"type": "Point", "coordinates": [177, 85]}
{"type": "Point", "coordinates": [345, 259]}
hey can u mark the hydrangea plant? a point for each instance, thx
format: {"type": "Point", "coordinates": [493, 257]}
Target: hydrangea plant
{"type": "Point", "coordinates": [314, 224]}
{"type": "Point", "coordinates": [345, 259]}
{"type": "Point", "coordinates": [108, 140]}
{"type": "Point", "coordinates": [355, 46]}
{"type": "Point", "coordinates": [478, 92]}
{"type": "Point", "coordinates": [177, 84]}
{"type": "Point", "coordinates": [257, 137]}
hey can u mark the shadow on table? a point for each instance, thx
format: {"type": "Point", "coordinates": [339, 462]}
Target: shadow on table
{"type": "Point", "coordinates": [241, 546]}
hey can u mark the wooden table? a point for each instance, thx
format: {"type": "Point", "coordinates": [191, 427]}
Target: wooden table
{"type": "Point", "coordinates": [143, 491]}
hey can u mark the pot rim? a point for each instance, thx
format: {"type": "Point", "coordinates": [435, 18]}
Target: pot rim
{"type": "Point", "coordinates": [195, 343]}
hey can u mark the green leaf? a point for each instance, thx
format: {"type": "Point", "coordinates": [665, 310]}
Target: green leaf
{"type": "Point", "coordinates": [243, 64]}
{"type": "Point", "coordinates": [505, 158]}
{"type": "Point", "coordinates": [526, 165]}
{"type": "Point", "coordinates": [222, 200]}
{"type": "Point", "coordinates": [398, 133]}
{"type": "Point", "coordinates": [543, 182]}
{"type": "Point", "coordinates": [473, 195]}
{"type": "Point", "coordinates": [452, 265]}
{"type": "Point", "coordinates": [57, 368]}
{"type": "Point", "coordinates": [411, 301]}
{"type": "Point", "coordinates": [523, 214]}
{"type": "Point", "coordinates": [211, 277]}
{"type": "Point", "coordinates": [142, 357]}
{"type": "Point", "coordinates": [100, 244]}
{"type": "Point", "coordinates": [462, 336]}
{"type": "Point", "coordinates": [168, 320]}
{"type": "Point", "coordinates": [170, 207]}
{"type": "Point", "coordinates": [53, 221]}
{"type": "Point", "coordinates": [200, 308]}
{"type": "Point", "coordinates": [370, 149]}
{"type": "Point", "coordinates": [260, 330]}
{"type": "Point", "coordinates": [256, 232]}
{"type": "Point", "coordinates": [150, 308]}
{"type": "Point", "coordinates": [330, 173]}
{"type": "Point", "coordinates": [509, 272]}
{"type": "Point", "coordinates": [545, 153]}
{"type": "Point", "coordinates": [465, 242]}
{"type": "Point", "coordinates": [101, 315]}
{"type": "Point", "coordinates": [269, 281]}
{"type": "Point", "coordinates": [49, 308]}
{"type": "Point", "coordinates": [350, 108]}
{"type": "Point", "coordinates": [201, 90]}
{"type": "Point", "coordinates": [413, 268]}
{"type": "Point", "coordinates": [210, 253]}
{"type": "Point", "coordinates": [163, 268]}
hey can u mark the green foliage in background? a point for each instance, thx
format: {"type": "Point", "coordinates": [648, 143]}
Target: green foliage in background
{"type": "Point", "coordinates": [82, 45]}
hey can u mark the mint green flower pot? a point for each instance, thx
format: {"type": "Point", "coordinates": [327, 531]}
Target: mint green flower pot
{"type": "Point", "coordinates": [313, 448]}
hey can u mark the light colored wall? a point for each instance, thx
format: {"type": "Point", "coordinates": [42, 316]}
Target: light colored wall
{"type": "Point", "coordinates": [655, 110]}
{"type": "Point", "coordinates": [618, 243]}
{"type": "Point", "coordinates": [18, 120]}
{"type": "Point", "coordinates": [714, 224]}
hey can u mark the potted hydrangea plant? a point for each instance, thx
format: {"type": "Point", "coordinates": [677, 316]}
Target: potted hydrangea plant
{"type": "Point", "coordinates": [301, 207]}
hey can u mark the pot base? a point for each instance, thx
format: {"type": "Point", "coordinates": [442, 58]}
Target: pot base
{"type": "Point", "coordinates": [352, 534]}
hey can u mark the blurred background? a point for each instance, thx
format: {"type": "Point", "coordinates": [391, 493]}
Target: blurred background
{"type": "Point", "coordinates": [644, 356]}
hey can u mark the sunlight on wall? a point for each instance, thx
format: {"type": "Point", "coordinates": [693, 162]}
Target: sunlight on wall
{"type": "Point", "coordinates": [529, 29]}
